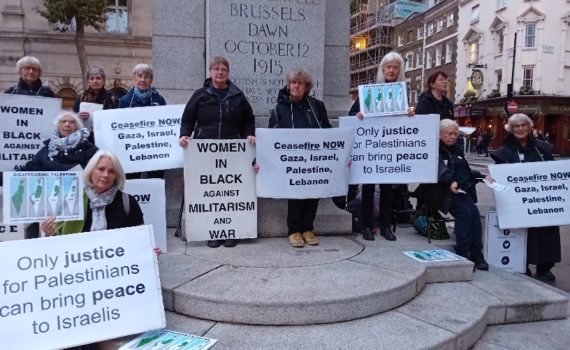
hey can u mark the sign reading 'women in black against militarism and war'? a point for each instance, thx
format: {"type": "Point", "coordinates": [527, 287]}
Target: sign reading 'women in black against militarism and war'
{"type": "Point", "coordinates": [219, 190]}
{"type": "Point", "coordinates": [303, 163]}
{"type": "Point", "coordinates": [538, 194]}
{"type": "Point", "coordinates": [393, 150]}
{"type": "Point", "coordinates": [26, 122]}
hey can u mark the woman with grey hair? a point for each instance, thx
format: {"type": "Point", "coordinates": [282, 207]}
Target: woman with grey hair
{"type": "Point", "coordinates": [142, 94]}
{"type": "Point", "coordinates": [297, 110]}
{"type": "Point", "coordinates": [30, 71]}
{"type": "Point", "coordinates": [520, 146]}
{"type": "Point", "coordinates": [95, 93]}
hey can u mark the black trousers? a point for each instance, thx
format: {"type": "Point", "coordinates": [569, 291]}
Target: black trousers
{"type": "Point", "coordinates": [301, 214]}
{"type": "Point", "coordinates": [386, 204]}
{"type": "Point", "coordinates": [468, 230]}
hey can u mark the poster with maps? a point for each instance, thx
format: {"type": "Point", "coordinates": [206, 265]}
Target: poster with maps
{"type": "Point", "coordinates": [34, 196]}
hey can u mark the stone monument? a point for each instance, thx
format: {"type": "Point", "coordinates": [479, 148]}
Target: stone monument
{"type": "Point", "coordinates": [263, 40]}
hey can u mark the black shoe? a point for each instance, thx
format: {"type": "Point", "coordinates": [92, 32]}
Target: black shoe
{"type": "Point", "coordinates": [214, 244]}
{"type": "Point", "coordinates": [528, 272]}
{"type": "Point", "coordinates": [482, 265]}
{"type": "Point", "coordinates": [387, 233]}
{"type": "Point", "coordinates": [367, 234]}
{"type": "Point", "coordinates": [230, 243]}
{"type": "Point", "coordinates": [545, 276]}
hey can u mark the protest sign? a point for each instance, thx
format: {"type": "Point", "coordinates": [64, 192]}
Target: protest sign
{"type": "Point", "coordinates": [219, 190]}
{"type": "Point", "coordinates": [33, 196]}
{"type": "Point", "coordinates": [538, 194]}
{"type": "Point", "coordinates": [69, 290]}
{"type": "Point", "coordinates": [90, 108]}
{"type": "Point", "coordinates": [164, 339]}
{"type": "Point", "coordinates": [9, 232]}
{"type": "Point", "coordinates": [394, 150]}
{"type": "Point", "coordinates": [436, 255]}
{"type": "Point", "coordinates": [383, 99]}
{"type": "Point", "coordinates": [505, 249]}
{"type": "Point", "coordinates": [150, 194]}
{"type": "Point", "coordinates": [303, 163]}
{"type": "Point", "coordinates": [26, 122]}
{"type": "Point", "coordinates": [144, 138]}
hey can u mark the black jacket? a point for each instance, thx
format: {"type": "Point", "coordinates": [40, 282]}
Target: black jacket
{"type": "Point", "coordinates": [209, 117]}
{"type": "Point", "coordinates": [104, 97]}
{"type": "Point", "coordinates": [116, 215]}
{"type": "Point", "coordinates": [428, 104]}
{"type": "Point", "coordinates": [543, 243]}
{"type": "Point", "coordinates": [62, 161]}
{"type": "Point", "coordinates": [36, 89]}
{"type": "Point", "coordinates": [308, 113]}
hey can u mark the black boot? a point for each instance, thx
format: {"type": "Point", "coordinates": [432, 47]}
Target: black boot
{"type": "Point", "coordinates": [386, 232]}
{"type": "Point", "coordinates": [479, 261]}
{"type": "Point", "coordinates": [367, 234]}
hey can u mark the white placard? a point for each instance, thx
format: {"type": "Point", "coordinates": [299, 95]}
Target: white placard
{"type": "Point", "coordinates": [150, 194]}
{"type": "Point", "coordinates": [164, 339]}
{"type": "Point", "coordinates": [219, 190]}
{"type": "Point", "coordinates": [26, 122]}
{"type": "Point", "coordinates": [144, 138]}
{"type": "Point", "coordinates": [30, 196]}
{"type": "Point", "coordinates": [76, 289]}
{"type": "Point", "coordinates": [9, 232]}
{"type": "Point", "coordinates": [538, 194]}
{"type": "Point", "coordinates": [505, 249]}
{"type": "Point", "coordinates": [303, 163]}
{"type": "Point", "coordinates": [90, 108]}
{"type": "Point", "coordinates": [394, 150]}
{"type": "Point", "coordinates": [383, 99]}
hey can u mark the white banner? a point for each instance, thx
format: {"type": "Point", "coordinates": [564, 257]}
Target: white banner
{"type": "Point", "coordinates": [394, 150]}
{"type": "Point", "coordinates": [144, 138]}
{"type": "Point", "coordinates": [505, 249]}
{"type": "Point", "coordinates": [26, 122]}
{"type": "Point", "coordinates": [303, 163]}
{"type": "Point", "coordinates": [219, 190]}
{"type": "Point", "coordinates": [9, 232]}
{"type": "Point", "coordinates": [537, 196]}
{"type": "Point", "coordinates": [164, 339]}
{"type": "Point", "coordinates": [76, 289]}
{"type": "Point", "coordinates": [33, 196]}
{"type": "Point", "coordinates": [383, 99]}
{"type": "Point", "coordinates": [151, 197]}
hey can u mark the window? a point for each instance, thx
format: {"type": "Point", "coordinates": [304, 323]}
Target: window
{"type": "Point", "coordinates": [499, 79]}
{"type": "Point", "coordinates": [473, 52]}
{"type": "Point", "coordinates": [421, 32]}
{"type": "Point", "coordinates": [501, 4]}
{"type": "Point", "coordinates": [439, 25]}
{"type": "Point", "coordinates": [117, 16]}
{"type": "Point", "coordinates": [528, 72]}
{"type": "Point", "coordinates": [400, 40]}
{"type": "Point", "coordinates": [448, 52]}
{"type": "Point", "coordinates": [430, 29]}
{"type": "Point", "coordinates": [450, 19]}
{"type": "Point", "coordinates": [529, 34]}
{"type": "Point", "coordinates": [428, 59]}
{"type": "Point", "coordinates": [410, 36]}
{"type": "Point", "coordinates": [475, 13]}
{"type": "Point", "coordinates": [419, 58]}
{"type": "Point", "coordinates": [500, 42]}
{"type": "Point", "coordinates": [438, 55]}
{"type": "Point", "coordinates": [409, 61]}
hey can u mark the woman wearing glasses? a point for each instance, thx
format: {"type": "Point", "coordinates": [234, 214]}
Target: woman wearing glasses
{"type": "Point", "coordinates": [433, 99]}
{"type": "Point", "coordinates": [30, 71]}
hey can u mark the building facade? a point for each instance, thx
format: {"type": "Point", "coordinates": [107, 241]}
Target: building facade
{"type": "Point", "coordinates": [125, 41]}
{"type": "Point", "coordinates": [537, 64]}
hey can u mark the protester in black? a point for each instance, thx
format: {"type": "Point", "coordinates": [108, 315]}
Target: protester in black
{"type": "Point", "coordinates": [433, 99]}
{"type": "Point", "coordinates": [30, 70]}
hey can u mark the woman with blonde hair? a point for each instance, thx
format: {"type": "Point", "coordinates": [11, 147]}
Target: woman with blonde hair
{"type": "Point", "coordinates": [30, 70]}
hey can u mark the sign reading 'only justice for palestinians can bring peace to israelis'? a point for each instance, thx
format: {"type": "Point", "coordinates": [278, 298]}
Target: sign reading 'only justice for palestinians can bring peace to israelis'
{"type": "Point", "coordinates": [27, 121]}
{"type": "Point", "coordinates": [144, 138]}
{"type": "Point", "coordinates": [538, 194]}
{"type": "Point", "coordinates": [303, 163]}
{"type": "Point", "coordinates": [394, 150]}
{"type": "Point", "coordinates": [219, 190]}
{"type": "Point", "coordinates": [63, 291]}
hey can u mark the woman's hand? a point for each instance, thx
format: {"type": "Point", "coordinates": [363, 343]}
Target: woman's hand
{"type": "Point", "coordinates": [183, 141]}
{"type": "Point", "coordinates": [251, 139]}
{"type": "Point", "coordinates": [256, 168]}
{"type": "Point", "coordinates": [489, 179]}
{"type": "Point", "coordinates": [48, 226]}
{"type": "Point", "coordinates": [454, 187]}
{"type": "Point", "coordinates": [411, 111]}
{"type": "Point", "coordinates": [84, 115]}
{"type": "Point", "coordinates": [157, 251]}
{"type": "Point", "coordinates": [349, 163]}
{"type": "Point", "coordinates": [360, 115]}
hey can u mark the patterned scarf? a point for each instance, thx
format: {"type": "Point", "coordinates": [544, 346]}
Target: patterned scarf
{"type": "Point", "coordinates": [97, 203]}
{"type": "Point", "coordinates": [91, 95]}
{"type": "Point", "coordinates": [143, 96]}
{"type": "Point", "coordinates": [64, 144]}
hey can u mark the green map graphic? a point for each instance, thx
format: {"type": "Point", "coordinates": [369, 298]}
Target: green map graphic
{"type": "Point", "coordinates": [18, 197]}
{"type": "Point", "coordinates": [56, 190]}
{"type": "Point", "coordinates": [38, 191]}
{"type": "Point", "coordinates": [368, 99]}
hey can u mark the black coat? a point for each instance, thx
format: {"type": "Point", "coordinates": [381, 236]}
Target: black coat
{"type": "Point", "coordinates": [116, 215]}
{"type": "Point", "coordinates": [36, 89]}
{"type": "Point", "coordinates": [62, 161]}
{"type": "Point", "coordinates": [543, 243]}
{"type": "Point", "coordinates": [428, 104]}
{"type": "Point", "coordinates": [211, 117]}
{"type": "Point", "coordinates": [104, 97]}
{"type": "Point", "coordinates": [308, 113]}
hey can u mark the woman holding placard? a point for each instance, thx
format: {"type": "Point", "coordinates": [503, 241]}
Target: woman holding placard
{"type": "Point", "coordinates": [297, 110]}
{"type": "Point", "coordinates": [30, 70]}
{"type": "Point", "coordinates": [95, 93]}
{"type": "Point", "coordinates": [389, 71]}
{"type": "Point", "coordinates": [433, 99]}
{"type": "Point", "coordinates": [218, 110]}
{"type": "Point", "coordinates": [520, 146]}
